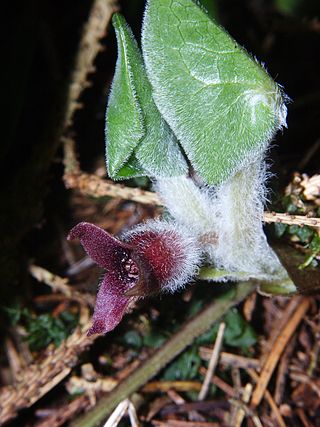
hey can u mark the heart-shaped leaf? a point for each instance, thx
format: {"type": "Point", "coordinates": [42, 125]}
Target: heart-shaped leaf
{"type": "Point", "coordinates": [220, 103]}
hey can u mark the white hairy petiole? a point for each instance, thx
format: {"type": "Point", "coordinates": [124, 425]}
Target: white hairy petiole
{"type": "Point", "coordinates": [227, 221]}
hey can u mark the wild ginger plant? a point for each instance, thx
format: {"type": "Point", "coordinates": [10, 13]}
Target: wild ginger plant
{"type": "Point", "coordinates": [194, 112]}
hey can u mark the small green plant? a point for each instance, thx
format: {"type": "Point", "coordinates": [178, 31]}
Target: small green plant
{"type": "Point", "coordinates": [304, 238]}
{"type": "Point", "coordinates": [195, 113]}
{"type": "Point", "coordinates": [43, 329]}
{"type": "Point", "coordinates": [238, 333]}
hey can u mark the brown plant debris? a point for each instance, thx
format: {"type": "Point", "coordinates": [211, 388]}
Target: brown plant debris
{"type": "Point", "coordinates": [89, 47]}
{"type": "Point", "coordinates": [301, 307]}
{"type": "Point", "coordinates": [40, 377]}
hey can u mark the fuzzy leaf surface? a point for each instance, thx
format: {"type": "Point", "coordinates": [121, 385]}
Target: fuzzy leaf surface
{"type": "Point", "coordinates": [123, 109]}
{"type": "Point", "coordinates": [220, 103]}
{"type": "Point", "coordinates": [139, 141]}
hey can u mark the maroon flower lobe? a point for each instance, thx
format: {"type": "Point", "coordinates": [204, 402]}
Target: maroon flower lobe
{"type": "Point", "coordinates": [104, 249]}
{"type": "Point", "coordinates": [122, 274]}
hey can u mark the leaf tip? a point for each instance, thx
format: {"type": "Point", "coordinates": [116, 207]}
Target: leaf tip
{"type": "Point", "coordinates": [118, 20]}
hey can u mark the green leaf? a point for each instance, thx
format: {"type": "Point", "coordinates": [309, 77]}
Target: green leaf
{"type": "Point", "coordinates": [314, 247]}
{"type": "Point", "coordinates": [138, 140]}
{"type": "Point", "coordinates": [185, 367]}
{"type": "Point", "coordinates": [288, 7]}
{"type": "Point", "coordinates": [194, 307]}
{"type": "Point", "coordinates": [154, 339]}
{"type": "Point", "coordinates": [44, 329]}
{"type": "Point", "coordinates": [14, 313]}
{"type": "Point", "coordinates": [133, 339]}
{"type": "Point", "coordinates": [238, 332]}
{"type": "Point", "coordinates": [220, 103]}
{"type": "Point", "coordinates": [284, 287]}
{"type": "Point", "coordinates": [289, 205]}
{"type": "Point", "coordinates": [124, 121]}
{"type": "Point", "coordinates": [303, 233]}
{"type": "Point", "coordinates": [280, 229]}
{"type": "Point", "coordinates": [315, 243]}
{"type": "Point", "coordinates": [131, 169]}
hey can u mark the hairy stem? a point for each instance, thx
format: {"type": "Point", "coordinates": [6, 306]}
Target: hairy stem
{"type": "Point", "coordinates": [242, 243]}
{"type": "Point", "coordinates": [175, 345]}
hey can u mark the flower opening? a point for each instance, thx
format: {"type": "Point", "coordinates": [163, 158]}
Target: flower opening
{"type": "Point", "coordinates": [151, 258]}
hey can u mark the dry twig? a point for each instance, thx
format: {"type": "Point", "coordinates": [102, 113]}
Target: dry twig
{"type": "Point", "coordinates": [230, 359]}
{"type": "Point", "coordinates": [269, 399]}
{"type": "Point", "coordinates": [89, 47]}
{"type": "Point", "coordinates": [14, 359]}
{"type": "Point", "coordinates": [212, 362]}
{"type": "Point", "coordinates": [64, 413]}
{"type": "Point", "coordinates": [305, 379]}
{"type": "Point", "coordinates": [178, 423]}
{"type": "Point", "coordinates": [133, 415]}
{"type": "Point", "coordinates": [40, 378]}
{"type": "Point", "coordinates": [117, 414]}
{"type": "Point", "coordinates": [59, 284]}
{"type": "Point", "coordinates": [94, 186]}
{"type": "Point", "coordinates": [303, 418]}
{"type": "Point", "coordinates": [278, 348]}
{"type": "Point", "coordinates": [163, 386]}
{"type": "Point", "coordinates": [240, 414]}
{"type": "Point", "coordinates": [249, 412]}
{"type": "Point", "coordinates": [285, 218]}
{"type": "Point", "coordinates": [282, 372]}
{"type": "Point", "coordinates": [225, 387]}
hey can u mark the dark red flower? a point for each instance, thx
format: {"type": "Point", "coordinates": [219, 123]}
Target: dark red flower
{"type": "Point", "coordinates": [151, 258]}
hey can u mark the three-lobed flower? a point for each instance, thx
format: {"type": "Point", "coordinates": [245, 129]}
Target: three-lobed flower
{"type": "Point", "coordinates": [151, 258]}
